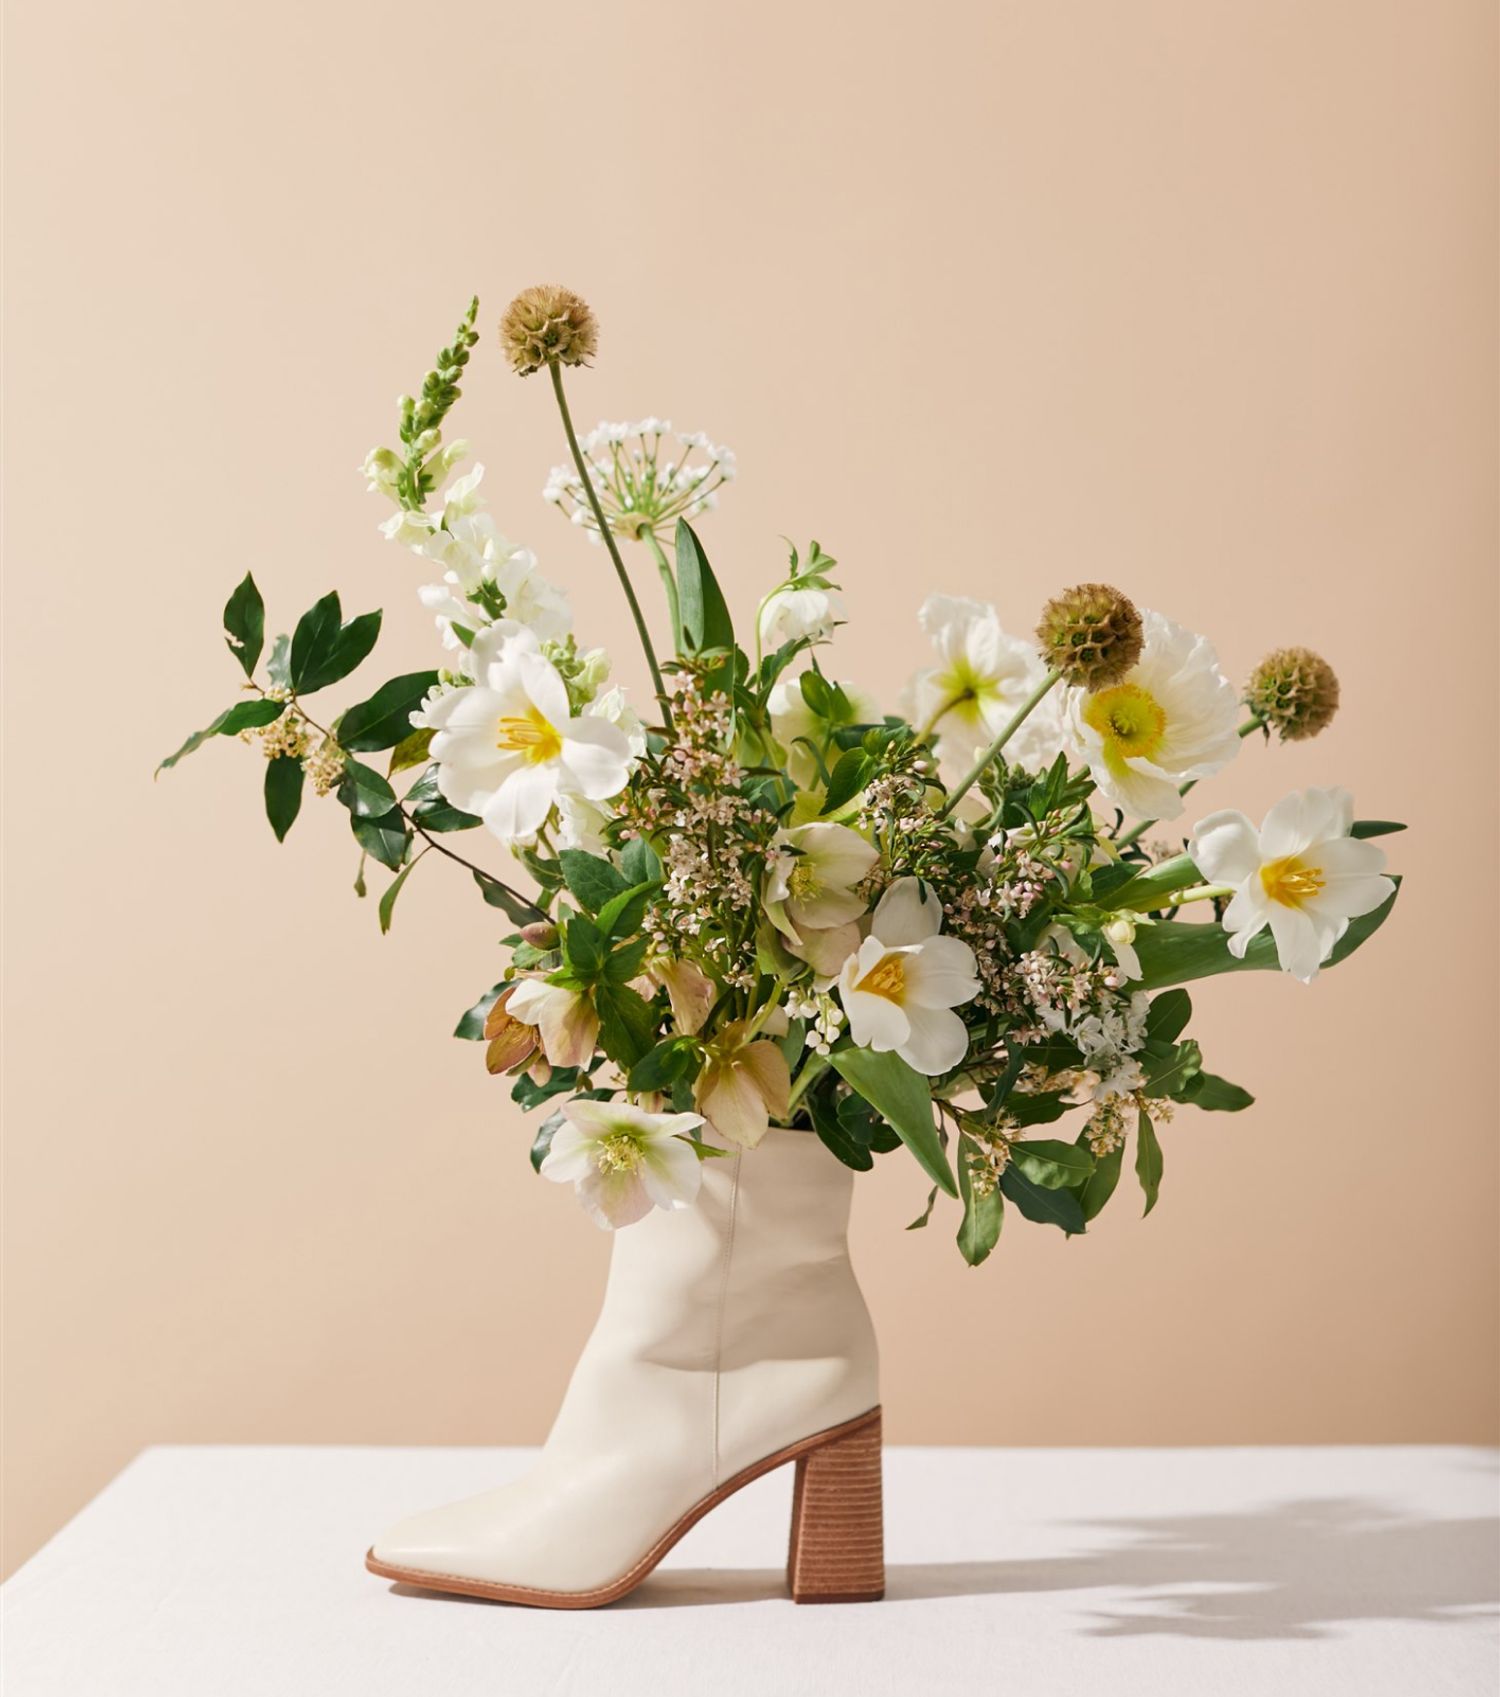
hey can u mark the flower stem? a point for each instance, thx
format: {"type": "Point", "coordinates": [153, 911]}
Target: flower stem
{"type": "Point", "coordinates": [812, 1069]}
{"type": "Point", "coordinates": [669, 585]}
{"type": "Point", "coordinates": [1201, 893]}
{"type": "Point", "coordinates": [1018, 718]}
{"type": "Point", "coordinates": [1136, 832]}
{"type": "Point", "coordinates": [607, 536]}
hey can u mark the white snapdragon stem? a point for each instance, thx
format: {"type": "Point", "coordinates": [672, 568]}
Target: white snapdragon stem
{"type": "Point", "coordinates": [608, 537]}
{"type": "Point", "coordinates": [1017, 719]}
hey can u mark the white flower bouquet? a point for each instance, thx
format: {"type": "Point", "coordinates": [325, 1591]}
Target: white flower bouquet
{"type": "Point", "coordinates": [763, 901]}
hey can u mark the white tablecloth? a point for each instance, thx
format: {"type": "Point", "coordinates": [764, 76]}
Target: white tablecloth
{"type": "Point", "coordinates": [216, 1572]}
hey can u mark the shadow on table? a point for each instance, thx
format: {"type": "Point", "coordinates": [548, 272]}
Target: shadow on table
{"type": "Point", "coordinates": [1293, 1570]}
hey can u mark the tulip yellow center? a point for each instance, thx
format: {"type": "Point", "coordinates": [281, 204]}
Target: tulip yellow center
{"type": "Point", "coordinates": [1131, 720]}
{"type": "Point", "coordinates": [531, 734]}
{"type": "Point", "coordinates": [617, 1153]}
{"type": "Point", "coordinates": [886, 978]}
{"type": "Point", "coordinates": [1290, 880]}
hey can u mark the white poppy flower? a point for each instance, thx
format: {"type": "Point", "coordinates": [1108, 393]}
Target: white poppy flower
{"type": "Point", "coordinates": [1173, 717]}
{"type": "Point", "coordinates": [1301, 873]}
{"type": "Point", "coordinates": [791, 615]}
{"type": "Point", "coordinates": [565, 1019]}
{"type": "Point", "coordinates": [508, 746]}
{"type": "Point", "coordinates": [899, 990]}
{"type": "Point", "coordinates": [811, 878]}
{"type": "Point", "coordinates": [623, 1161]}
{"type": "Point", "coordinates": [981, 678]}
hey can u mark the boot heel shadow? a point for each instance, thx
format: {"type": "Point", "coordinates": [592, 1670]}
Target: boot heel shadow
{"type": "Point", "coordinates": [837, 1552]}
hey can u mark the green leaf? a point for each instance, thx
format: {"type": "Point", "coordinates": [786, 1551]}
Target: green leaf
{"type": "Point", "coordinates": [705, 615]}
{"type": "Point", "coordinates": [979, 1230]}
{"type": "Point", "coordinates": [1170, 1074]}
{"type": "Point", "coordinates": [542, 1142]}
{"type": "Point", "coordinates": [663, 1065]}
{"type": "Point", "coordinates": [283, 793]}
{"type": "Point", "coordinates": [817, 694]}
{"type": "Point", "coordinates": [1374, 827]}
{"type": "Point", "coordinates": [621, 915]}
{"type": "Point", "coordinates": [324, 649]}
{"type": "Point", "coordinates": [363, 791]}
{"type": "Point", "coordinates": [1218, 1095]}
{"type": "Point", "coordinates": [384, 838]}
{"type": "Point", "coordinates": [245, 624]}
{"type": "Point", "coordinates": [903, 1098]}
{"type": "Point", "coordinates": [1175, 952]}
{"type": "Point", "coordinates": [1148, 1160]}
{"type": "Point", "coordinates": [626, 962]}
{"type": "Point", "coordinates": [410, 751]}
{"type": "Point", "coordinates": [1168, 1016]}
{"type": "Point", "coordinates": [471, 1026]}
{"type": "Point", "coordinates": [506, 899]}
{"type": "Point", "coordinates": [1039, 1108]}
{"type": "Point", "coordinates": [627, 1024]}
{"type": "Point", "coordinates": [243, 716]}
{"type": "Point", "coordinates": [836, 1137]}
{"type": "Point", "coordinates": [1101, 1184]}
{"type": "Point", "coordinates": [1058, 1208]}
{"type": "Point", "coordinates": [384, 721]}
{"type": "Point", "coordinates": [1052, 1164]}
{"type": "Point", "coordinates": [847, 779]}
{"type": "Point", "coordinates": [1148, 889]}
{"type": "Point", "coordinates": [591, 881]}
{"type": "Point", "coordinates": [393, 889]}
{"type": "Point", "coordinates": [583, 946]}
{"type": "Point", "coordinates": [640, 863]}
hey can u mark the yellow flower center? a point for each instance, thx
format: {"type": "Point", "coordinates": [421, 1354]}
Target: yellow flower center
{"type": "Point", "coordinates": [617, 1153]}
{"type": "Point", "coordinates": [530, 734]}
{"type": "Point", "coordinates": [886, 978]}
{"type": "Point", "coordinates": [802, 880]}
{"type": "Point", "coordinates": [1290, 880]}
{"type": "Point", "coordinates": [1131, 720]}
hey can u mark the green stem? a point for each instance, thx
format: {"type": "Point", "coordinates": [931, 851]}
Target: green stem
{"type": "Point", "coordinates": [1202, 893]}
{"type": "Point", "coordinates": [669, 585]}
{"type": "Point", "coordinates": [812, 1069]}
{"type": "Point", "coordinates": [1018, 718]}
{"type": "Point", "coordinates": [1136, 832]}
{"type": "Point", "coordinates": [607, 536]}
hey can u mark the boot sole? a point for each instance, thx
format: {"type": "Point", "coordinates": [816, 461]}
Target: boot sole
{"type": "Point", "coordinates": [836, 1550]}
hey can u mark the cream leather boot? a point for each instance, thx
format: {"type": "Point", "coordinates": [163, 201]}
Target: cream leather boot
{"type": "Point", "coordinates": [733, 1339]}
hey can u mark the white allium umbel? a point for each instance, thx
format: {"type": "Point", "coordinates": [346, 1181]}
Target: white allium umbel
{"type": "Point", "coordinates": [623, 1161]}
{"type": "Point", "coordinates": [900, 989]}
{"type": "Point", "coordinates": [982, 676]}
{"type": "Point", "coordinates": [509, 745]}
{"type": "Point", "coordinates": [1173, 718]}
{"type": "Point", "coordinates": [1301, 874]}
{"type": "Point", "coordinates": [646, 478]}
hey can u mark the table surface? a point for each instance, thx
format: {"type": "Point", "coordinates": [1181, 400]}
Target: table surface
{"type": "Point", "coordinates": [216, 1571]}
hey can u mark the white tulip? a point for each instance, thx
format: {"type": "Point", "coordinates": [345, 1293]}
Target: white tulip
{"type": "Point", "coordinates": [899, 990]}
{"type": "Point", "coordinates": [1301, 874]}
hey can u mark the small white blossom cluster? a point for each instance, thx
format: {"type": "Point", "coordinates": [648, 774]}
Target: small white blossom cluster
{"type": "Point", "coordinates": [643, 482]}
{"type": "Point", "coordinates": [823, 1015]}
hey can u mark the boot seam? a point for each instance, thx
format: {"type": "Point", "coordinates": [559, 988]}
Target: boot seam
{"type": "Point", "coordinates": [734, 1209]}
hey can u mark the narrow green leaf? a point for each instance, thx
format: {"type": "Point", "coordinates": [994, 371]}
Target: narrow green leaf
{"type": "Point", "coordinates": [701, 606]}
{"type": "Point", "coordinates": [324, 649]}
{"type": "Point", "coordinates": [836, 1137]}
{"type": "Point", "coordinates": [1149, 889]}
{"type": "Point", "coordinates": [1218, 1095]}
{"type": "Point", "coordinates": [848, 778]}
{"type": "Point", "coordinates": [410, 751]}
{"type": "Point", "coordinates": [1170, 1075]}
{"type": "Point", "coordinates": [1101, 1183]}
{"type": "Point", "coordinates": [1052, 1164]}
{"type": "Point", "coordinates": [1148, 1160]}
{"type": "Point", "coordinates": [384, 721]}
{"type": "Point", "coordinates": [1374, 827]}
{"type": "Point", "coordinates": [509, 901]}
{"type": "Point", "coordinates": [979, 1230]}
{"type": "Point", "coordinates": [393, 889]}
{"type": "Point", "coordinates": [283, 793]}
{"type": "Point", "coordinates": [1059, 1208]}
{"type": "Point", "coordinates": [542, 1142]}
{"type": "Point", "coordinates": [903, 1098]}
{"type": "Point", "coordinates": [384, 838]}
{"type": "Point", "coordinates": [244, 715]}
{"type": "Point", "coordinates": [1168, 1015]}
{"type": "Point", "coordinates": [245, 624]}
{"type": "Point", "coordinates": [363, 791]}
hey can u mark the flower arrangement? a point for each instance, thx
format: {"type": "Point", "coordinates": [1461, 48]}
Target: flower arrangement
{"type": "Point", "coordinates": [763, 901]}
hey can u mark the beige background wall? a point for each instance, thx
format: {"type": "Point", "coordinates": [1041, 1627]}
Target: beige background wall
{"type": "Point", "coordinates": [1198, 296]}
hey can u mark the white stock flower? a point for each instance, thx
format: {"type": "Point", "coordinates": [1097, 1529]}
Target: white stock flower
{"type": "Point", "coordinates": [1301, 874]}
{"type": "Point", "coordinates": [982, 676]}
{"type": "Point", "coordinates": [792, 614]}
{"type": "Point", "coordinates": [812, 875]}
{"type": "Point", "coordinates": [623, 1161]}
{"type": "Point", "coordinates": [900, 989]}
{"type": "Point", "coordinates": [509, 746]}
{"type": "Point", "coordinates": [1171, 718]}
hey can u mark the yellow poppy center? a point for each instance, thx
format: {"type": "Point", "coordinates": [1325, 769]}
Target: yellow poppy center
{"type": "Point", "coordinates": [1290, 880]}
{"type": "Point", "coordinates": [531, 734]}
{"type": "Point", "coordinates": [1131, 720]}
{"type": "Point", "coordinates": [886, 978]}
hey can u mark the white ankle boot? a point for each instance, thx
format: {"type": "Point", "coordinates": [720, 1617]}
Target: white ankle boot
{"type": "Point", "coordinates": [733, 1338]}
